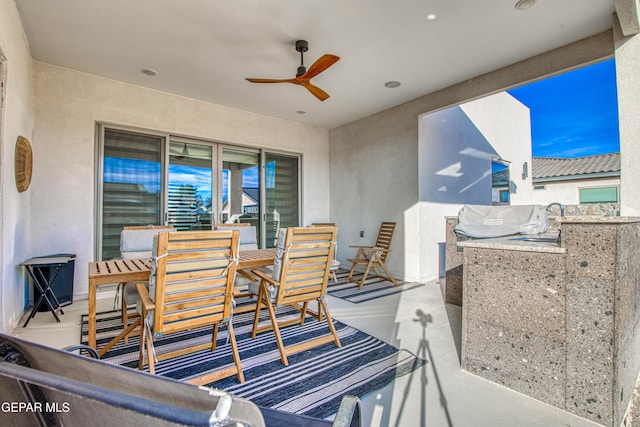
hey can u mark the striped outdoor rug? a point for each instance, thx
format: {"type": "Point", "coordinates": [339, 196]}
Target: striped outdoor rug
{"type": "Point", "coordinates": [374, 287]}
{"type": "Point", "coordinates": [314, 382]}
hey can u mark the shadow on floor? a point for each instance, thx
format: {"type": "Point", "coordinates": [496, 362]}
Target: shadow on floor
{"type": "Point", "coordinates": [424, 352]}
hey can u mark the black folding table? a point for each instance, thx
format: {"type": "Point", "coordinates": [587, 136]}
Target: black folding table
{"type": "Point", "coordinates": [43, 281]}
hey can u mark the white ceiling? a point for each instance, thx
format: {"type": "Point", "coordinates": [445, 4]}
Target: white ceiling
{"type": "Point", "coordinates": [204, 49]}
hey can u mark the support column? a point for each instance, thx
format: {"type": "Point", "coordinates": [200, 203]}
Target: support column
{"type": "Point", "coordinates": [627, 56]}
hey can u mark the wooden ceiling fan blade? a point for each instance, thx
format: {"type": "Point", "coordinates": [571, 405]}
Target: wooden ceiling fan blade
{"type": "Point", "coordinates": [269, 80]}
{"type": "Point", "coordinates": [324, 62]}
{"type": "Point", "coordinates": [316, 91]}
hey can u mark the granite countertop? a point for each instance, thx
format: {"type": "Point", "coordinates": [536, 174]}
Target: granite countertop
{"type": "Point", "coordinates": [594, 219]}
{"type": "Point", "coordinates": [516, 243]}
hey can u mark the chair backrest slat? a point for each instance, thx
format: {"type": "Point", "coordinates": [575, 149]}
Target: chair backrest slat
{"type": "Point", "coordinates": [194, 278]}
{"type": "Point", "coordinates": [306, 263]}
{"type": "Point", "coordinates": [385, 237]}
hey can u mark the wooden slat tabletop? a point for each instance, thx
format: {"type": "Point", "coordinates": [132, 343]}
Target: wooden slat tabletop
{"type": "Point", "coordinates": [122, 270]}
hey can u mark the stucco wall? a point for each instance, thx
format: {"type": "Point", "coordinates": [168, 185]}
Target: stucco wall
{"type": "Point", "coordinates": [17, 119]}
{"type": "Point", "coordinates": [374, 161]}
{"type": "Point", "coordinates": [628, 85]}
{"type": "Point", "coordinates": [456, 147]}
{"type": "Point", "coordinates": [68, 105]}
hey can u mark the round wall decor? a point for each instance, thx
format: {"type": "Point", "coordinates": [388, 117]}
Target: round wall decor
{"type": "Point", "coordinates": [23, 163]}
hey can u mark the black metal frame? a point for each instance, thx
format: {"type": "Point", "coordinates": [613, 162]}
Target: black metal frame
{"type": "Point", "coordinates": [44, 286]}
{"type": "Point", "coordinates": [52, 387]}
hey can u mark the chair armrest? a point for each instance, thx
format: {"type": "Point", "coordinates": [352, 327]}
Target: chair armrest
{"type": "Point", "coordinates": [264, 277]}
{"type": "Point", "coordinates": [374, 249]}
{"type": "Point", "coordinates": [361, 247]}
{"type": "Point", "coordinates": [144, 297]}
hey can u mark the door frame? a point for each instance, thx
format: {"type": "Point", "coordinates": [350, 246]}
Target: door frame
{"type": "Point", "coordinates": [216, 167]}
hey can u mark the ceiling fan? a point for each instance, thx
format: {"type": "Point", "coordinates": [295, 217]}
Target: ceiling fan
{"type": "Point", "coordinates": [303, 77]}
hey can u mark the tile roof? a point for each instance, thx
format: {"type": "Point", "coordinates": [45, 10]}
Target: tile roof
{"type": "Point", "coordinates": [550, 167]}
{"type": "Point", "coordinates": [251, 192]}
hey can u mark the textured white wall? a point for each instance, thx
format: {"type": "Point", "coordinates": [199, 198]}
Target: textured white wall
{"type": "Point", "coordinates": [69, 104]}
{"type": "Point", "coordinates": [456, 147]}
{"type": "Point", "coordinates": [627, 60]}
{"type": "Point", "coordinates": [17, 119]}
{"type": "Point", "coordinates": [506, 124]}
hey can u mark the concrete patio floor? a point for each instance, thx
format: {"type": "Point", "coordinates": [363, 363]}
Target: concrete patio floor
{"type": "Point", "coordinates": [440, 394]}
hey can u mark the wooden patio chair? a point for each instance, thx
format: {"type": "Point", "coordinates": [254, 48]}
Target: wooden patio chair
{"type": "Point", "coordinates": [300, 274]}
{"type": "Point", "coordinates": [136, 241]}
{"type": "Point", "coordinates": [335, 264]}
{"type": "Point", "coordinates": [191, 286]}
{"type": "Point", "coordinates": [374, 256]}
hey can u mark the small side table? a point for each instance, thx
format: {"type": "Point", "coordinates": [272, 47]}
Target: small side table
{"type": "Point", "coordinates": [34, 267]}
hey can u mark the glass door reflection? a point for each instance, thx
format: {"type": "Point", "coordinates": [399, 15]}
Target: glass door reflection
{"type": "Point", "coordinates": [240, 194]}
{"type": "Point", "coordinates": [190, 186]}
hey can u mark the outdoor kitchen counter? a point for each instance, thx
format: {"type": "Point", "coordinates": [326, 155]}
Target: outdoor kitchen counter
{"type": "Point", "coordinates": [516, 243]}
{"type": "Point", "coordinates": [559, 323]}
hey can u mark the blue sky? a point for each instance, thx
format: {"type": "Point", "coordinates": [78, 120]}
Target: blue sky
{"type": "Point", "coordinates": [574, 114]}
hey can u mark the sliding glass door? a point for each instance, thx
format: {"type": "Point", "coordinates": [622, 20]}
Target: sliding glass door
{"type": "Point", "coordinates": [282, 194]}
{"type": "Point", "coordinates": [240, 190]}
{"type": "Point", "coordinates": [131, 185]}
{"type": "Point", "coordinates": [189, 184]}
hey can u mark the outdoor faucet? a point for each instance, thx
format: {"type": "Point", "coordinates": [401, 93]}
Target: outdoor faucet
{"type": "Point", "coordinates": [560, 205]}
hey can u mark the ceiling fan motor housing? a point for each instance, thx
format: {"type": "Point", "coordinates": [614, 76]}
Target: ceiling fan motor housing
{"type": "Point", "coordinates": [302, 46]}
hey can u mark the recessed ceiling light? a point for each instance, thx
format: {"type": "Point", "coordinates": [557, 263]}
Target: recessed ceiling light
{"type": "Point", "coordinates": [524, 4]}
{"type": "Point", "coordinates": [431, 17]}
{"type": "Point", "coordinates": [392, 84]}
{"type": "Point", "coordinates": [301, 112]}
{"type": "Point", "coordinates": [149, 72]}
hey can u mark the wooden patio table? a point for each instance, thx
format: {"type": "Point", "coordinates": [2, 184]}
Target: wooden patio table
{"type": "Point", "coordinates": [132, 270]}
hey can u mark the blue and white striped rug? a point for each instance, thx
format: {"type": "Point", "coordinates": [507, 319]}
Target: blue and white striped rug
{"type": "Point", "coordinates": [314, 382]}
{"type": "Point", "coordinates": [374, 287]}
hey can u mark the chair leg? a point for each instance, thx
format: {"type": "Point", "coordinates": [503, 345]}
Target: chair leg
{"type": "Point", "coordinates": [353, 269]}
{"type": "Point", "coordinates": [389, 276]}
{"type": "Point", "coordinates": [276, 331]}
{"type": "Point", "coordinates": [143, 336]}
{"type": "Point", "coordinates": [125, 313]}
{"type": "Point", "coordinates": [303, 312]}
{"type": "Point", "coordinates": [125, 333]}
{"type": "Point", "coordinates": [364, 276]}
{"type": "Point", "coordinates": [256, 317]}
{"type": "Point", "coordinates": [335, 278]}
{"type": "Point", "coordinates": [152, 361]}
{"type": "Point", "coordinates": [214, 337]}
{"type": "Point", "coordinates": [234, 350]}
{"type": "Point", "coordinates": [123, 308]}
{"type": "Point", "coordinates": [332, 327]}
{"type": "Point", "coordinates": [320, 315]}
